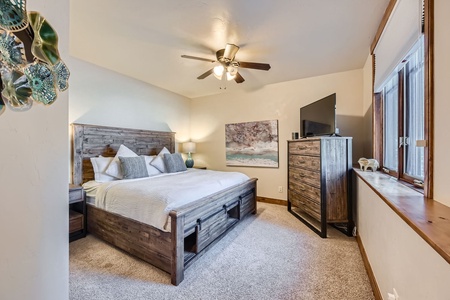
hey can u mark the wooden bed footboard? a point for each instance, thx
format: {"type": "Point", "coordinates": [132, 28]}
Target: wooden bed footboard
{"type": "Point", "coordinates": [195, 228]}
{"type": "Point", "coordinates": [198, 226]}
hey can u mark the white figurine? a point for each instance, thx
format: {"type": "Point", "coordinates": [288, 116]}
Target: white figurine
{"type": "Point", "coordinates": [365, 163]}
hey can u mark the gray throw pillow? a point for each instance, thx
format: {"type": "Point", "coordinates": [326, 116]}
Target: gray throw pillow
{"type": "Point", "coordinates": [133, 167]}
{"type": "Point", "coordinates": [174, 163]}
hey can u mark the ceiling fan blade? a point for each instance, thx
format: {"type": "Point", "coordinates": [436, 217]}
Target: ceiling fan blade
{"type": "Point", "coordinates": [206, 74]}
{"type": "Point", "coordinates": [230, 51]}
{"type": "Point", "coordinates": [239, 78]}
{"type": "Point", "coordinates": [197, 58]}
{"type": "Point", "coordinates": [252, 65]}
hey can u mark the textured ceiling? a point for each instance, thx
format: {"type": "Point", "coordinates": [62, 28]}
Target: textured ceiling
{"type": "Point", "coordinates": [145, 39]}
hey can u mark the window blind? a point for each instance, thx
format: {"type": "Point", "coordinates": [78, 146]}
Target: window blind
{"type": "Point", "coordinates": [402, 30]}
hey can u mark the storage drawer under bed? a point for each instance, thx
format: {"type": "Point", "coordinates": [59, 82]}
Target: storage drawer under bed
{"type": "Point", "coordinates": [210, 227]}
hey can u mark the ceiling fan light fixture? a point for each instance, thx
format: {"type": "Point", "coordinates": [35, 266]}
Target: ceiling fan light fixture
{"type": "Point", "coordinates": [227, 64]}
{"type": "Point", "coordinates": [232, 70]}
{"type": "Point", "coordinates": [230, 76]}
{"type": "Point", "coordinates": [218, 71]}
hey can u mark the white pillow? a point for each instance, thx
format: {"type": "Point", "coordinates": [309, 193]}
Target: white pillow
{"type": "Point", "coordinates": [158, 161]}
{"type": "Point", "coordinates": [100, 164]}
{"type": "Point", "coordinates": [151, 170]}
{"type": "Point", "coordinates": [114, 168]}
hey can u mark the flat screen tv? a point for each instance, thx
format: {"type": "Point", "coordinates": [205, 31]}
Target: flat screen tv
{"type": "Point", "coordinates": [319, 118]}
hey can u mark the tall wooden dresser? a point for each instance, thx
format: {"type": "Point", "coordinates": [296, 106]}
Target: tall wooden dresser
{"type": "Point", "coordinates": [319, 183]}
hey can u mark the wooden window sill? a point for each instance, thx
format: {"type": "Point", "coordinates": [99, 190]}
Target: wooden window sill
{"type": "Point", "coordinates": [429, 218]}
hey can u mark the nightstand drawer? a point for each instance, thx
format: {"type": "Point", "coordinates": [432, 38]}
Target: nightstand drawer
{"type": "Point", "coordinates": [77, 213]}
{"type": "Point", "coordinates": [76, 221]}
{"type": "Point", "coordinates": [75, 195]}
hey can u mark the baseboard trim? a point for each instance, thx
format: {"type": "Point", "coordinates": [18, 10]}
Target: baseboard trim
{"type": "Point", "coordinates": [373, 281]}
{"type": "Point", "coordinates": [271, 201]}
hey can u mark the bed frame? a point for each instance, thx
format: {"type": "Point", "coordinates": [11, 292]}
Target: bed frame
{"type": "Point", "coordinates": [195, 227]}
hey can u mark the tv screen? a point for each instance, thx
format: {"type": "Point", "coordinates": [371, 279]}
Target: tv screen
{"type": "Point", "coordinates": [319, 118]}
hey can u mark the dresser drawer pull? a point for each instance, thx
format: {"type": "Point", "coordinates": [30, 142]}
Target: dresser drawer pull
{"type": "Point", "coordinates": [302, 162]}
{"type": "Point", "coordinates": [302, 148]}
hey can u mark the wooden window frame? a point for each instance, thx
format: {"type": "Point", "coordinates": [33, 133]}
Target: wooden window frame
{"type": "Point", "coordinates": [377, 115]}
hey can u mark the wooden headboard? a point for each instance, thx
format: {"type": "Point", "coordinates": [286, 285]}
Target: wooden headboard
{"type": "Point", "coordinates": [93, 140]}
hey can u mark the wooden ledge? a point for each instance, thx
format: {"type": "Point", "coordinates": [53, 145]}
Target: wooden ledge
{"type": "Point", "coordinates": [429, 218]}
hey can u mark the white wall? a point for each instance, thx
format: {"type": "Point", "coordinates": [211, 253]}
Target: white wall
{"type": "Point", "coordinates": [399, 257]}
{"type": "Point", "coordinates": [34, 190]}
{"type": "Point", "coordinates": [441, 102]}
{"type": "Point", "coordinates": [280, 102]}
{"type": "Point", "coordinates": [102, 97]}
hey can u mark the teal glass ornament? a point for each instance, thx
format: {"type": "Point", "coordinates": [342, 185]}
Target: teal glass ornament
{"type": "Point", "coordinates": [12, 53]}
{"type": "Point", "coordinates": [42, 82]}
{"type": "Point", "coordinates": [16, 91]}
{"type": "Point", "coordinates": [13, 15]}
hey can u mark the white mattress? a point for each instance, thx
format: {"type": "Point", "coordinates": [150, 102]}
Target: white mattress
{"type": "Point", "coordinates": [149, 200]}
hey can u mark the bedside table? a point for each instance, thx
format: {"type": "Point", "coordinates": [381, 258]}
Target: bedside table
{"type": "Point", "coordinates": [77, 213]}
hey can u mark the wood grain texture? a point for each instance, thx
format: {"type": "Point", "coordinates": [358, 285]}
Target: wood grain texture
{"type": "Point", "coordinates": [92, 141]}
{"type": "Point", "coordinates": [429, 96]}
{"type": "Point", "coordinates": [368, 267]}
{"type": "Point", "coordinates": [428, 218]}
{"type": "Point", "coordinates": [171, 251]}
{"type": "Point", "coordinates": [318, 180]}
{"type": "Point", "coordinates": [139, 239]}
{"type": "Point", "coordinates": [384, 20]}
{"type": "Point", "coordinates": [271, 200]}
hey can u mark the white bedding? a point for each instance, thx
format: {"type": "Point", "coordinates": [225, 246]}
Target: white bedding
{"type": "Point", "coordinates": [149, 200]}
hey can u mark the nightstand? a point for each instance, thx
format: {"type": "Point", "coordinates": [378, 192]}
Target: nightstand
{"type": "Point", "coordinates": [77, 213]}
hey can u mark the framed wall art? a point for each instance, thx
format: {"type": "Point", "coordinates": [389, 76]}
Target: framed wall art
{"type": "Point", "coordinates": [252, 144]}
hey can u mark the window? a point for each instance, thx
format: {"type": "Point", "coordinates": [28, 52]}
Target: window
{"type": "Point", "coordinates": [403, 119]}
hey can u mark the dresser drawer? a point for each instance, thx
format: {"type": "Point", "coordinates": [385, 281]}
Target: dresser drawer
{"type": "Point", "coordinates": [305, 162]}
{"type": "Point", "coordinates": [305, 148]}
{"type": "Point", "coordinates": [75, 195]}
{"type": "Point", "coordinates": [305, 190]}
{"type": "Point", "coordinates": [309, 206]}
{"type": "Point", "coordinates": [305, 176]}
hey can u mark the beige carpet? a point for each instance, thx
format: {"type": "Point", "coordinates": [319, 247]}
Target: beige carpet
{"type": "Point", "coordinates": [270, 255]}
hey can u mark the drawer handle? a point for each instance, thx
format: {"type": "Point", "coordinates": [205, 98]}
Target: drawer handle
{"type": "Point", "coordinates": [302, 189]}
{"type": "Point", "coordinates": [302, 175]}
{"type": "Point", "coordinates": [302, 148]}
{"type": "Point", "coordinates": [302, 162]}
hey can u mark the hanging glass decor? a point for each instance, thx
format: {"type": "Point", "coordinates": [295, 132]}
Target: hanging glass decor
{"type": "Point", "coordinates": [13, 15]}
{"type": "Point", "coordinates": [12, 53]}
{"type": "Point", "coordinates": [16, 90]}
{"type": "Point", "coordinates": [30, 65]}
{"type": "Point", "coordinates": [45, 42]}
{"type": "Point", "coordinates": [62, 75]}
{"type": "Point", "coordinates": [42, 82]}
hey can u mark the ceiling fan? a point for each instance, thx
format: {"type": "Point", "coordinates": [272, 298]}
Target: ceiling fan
{"type": "Point", "coordinates": [228, 65]}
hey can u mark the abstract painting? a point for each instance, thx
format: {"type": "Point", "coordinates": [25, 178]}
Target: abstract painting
{"type": "Point", "coordinates": [252, 144]}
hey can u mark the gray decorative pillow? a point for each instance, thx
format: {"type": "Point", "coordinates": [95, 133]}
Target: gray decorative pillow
{"type": "Point", "coordinates": [174, 163]}
{"type": "Point", "coordinates": [133, 167]}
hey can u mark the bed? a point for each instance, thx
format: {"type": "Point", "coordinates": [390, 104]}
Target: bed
{"type": "Point", "coordinates": [194, 227]}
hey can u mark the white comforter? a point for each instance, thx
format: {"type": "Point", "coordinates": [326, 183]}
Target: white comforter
{"type": "Point", "coordinates": [149, 200]}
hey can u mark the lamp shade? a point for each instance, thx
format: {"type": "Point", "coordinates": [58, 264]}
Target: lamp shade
{"type": "Point", "coordinates": [189, 147]}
